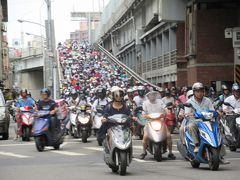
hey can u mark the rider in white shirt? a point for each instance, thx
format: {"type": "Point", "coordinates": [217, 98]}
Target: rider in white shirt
{"type": "Point", "coordinates": [141, 96]}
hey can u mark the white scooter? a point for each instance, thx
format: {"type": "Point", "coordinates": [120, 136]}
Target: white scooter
{"type": "Point", "coordinates": [97, 122]}
{"type": "Point", "coordinates": [118, 144]}
{"type": "Point", "coordinates": [233, 139]}
{"type": "Point", "coordinates": [72, 123]}
{"type": "Point", "coordinates": [157, 134]}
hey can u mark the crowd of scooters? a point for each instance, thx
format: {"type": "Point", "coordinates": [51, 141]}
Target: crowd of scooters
{"type": "Point", "coordinates": [99, 98]}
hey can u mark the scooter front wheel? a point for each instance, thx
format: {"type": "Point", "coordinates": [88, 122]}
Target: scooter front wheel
{"type": "Point", "coordinates": [56, 147]}
{"type": "Point", "coordinates": [195, 164]}
{"type": "Point", "coordinates": [213, 159]}
{"type": "Point", "coordinates": [84, 136]}
{"type": "Point", "coordinates": [40, 143]}
{"type": "Point", "coordinates": [123, 163]}
{"type": "Point", "coordinates": [157, 152]}
{"type": "Point", "coordinates": [233, 148]}
{"type": "Point", "coordinates": [26, 134]}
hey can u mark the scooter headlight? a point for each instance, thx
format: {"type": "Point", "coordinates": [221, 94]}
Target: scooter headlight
{"type": "Point", "coordinates": [83, 120]}
{"type": "Point", "coordinates": [207, 115]}
{"type": "Point", "coordinates": [156, 125]}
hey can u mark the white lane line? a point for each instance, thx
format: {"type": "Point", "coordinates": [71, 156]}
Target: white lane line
{"type": "Point", "coordinates": [94, 148]}
{"type": "Point", "coordinates": [10, 145]}
{"type": "Point", "coordinates": [142, 161]}
{"type": "Point", "coordinates": [64, 144]}
{"type": "Point", "coordinates": [68, 153]}
{"type": "Point", "coordinates": [13, 155]}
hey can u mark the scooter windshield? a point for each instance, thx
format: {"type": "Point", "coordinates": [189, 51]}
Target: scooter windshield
{"type": "Point", "coordinates": [118, 118]}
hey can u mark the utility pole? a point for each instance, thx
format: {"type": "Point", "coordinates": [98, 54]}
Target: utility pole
{"type": "Point", "coordinates": [50, 62]}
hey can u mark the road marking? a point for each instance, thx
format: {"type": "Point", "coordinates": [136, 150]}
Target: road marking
{"type": "Point", "coordinates": [142, 161]}
{"type": "Point", "coordinates": [13, 155]}
{"type": "Point", "coordinates": [10, 145]}
{"type": "Point", "coordinates": [63, 144]}
{"type": "Point", "coordinates": [68, 153]}
{"type": "Point", "coordinates": [94, 148]}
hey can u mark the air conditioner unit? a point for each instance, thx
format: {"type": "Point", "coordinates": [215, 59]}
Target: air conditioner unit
{"type": "Point", "coordinates": [236, 37]}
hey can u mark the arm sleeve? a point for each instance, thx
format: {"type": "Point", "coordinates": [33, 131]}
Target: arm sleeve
{"type": "Point", "coordinates": [106, 111]}
{"type": "Point", "coordinates": [94, 105]}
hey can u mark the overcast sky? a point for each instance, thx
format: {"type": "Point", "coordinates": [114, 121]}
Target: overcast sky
{"type": "Point", "coordinates": [36, 10]}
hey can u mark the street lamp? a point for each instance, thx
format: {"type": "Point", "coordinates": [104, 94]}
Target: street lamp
{"type": "Point", "coordinates": [30, 34]}
{"type": "Point", "coordinates": [26, 21]}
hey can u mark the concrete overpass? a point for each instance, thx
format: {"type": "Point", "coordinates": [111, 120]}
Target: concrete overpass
{"type": "Point", "coordinates": [28, 69]}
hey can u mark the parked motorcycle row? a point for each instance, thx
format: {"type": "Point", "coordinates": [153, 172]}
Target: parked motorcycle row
{"type": "Point", "coordinates": [87, 74]}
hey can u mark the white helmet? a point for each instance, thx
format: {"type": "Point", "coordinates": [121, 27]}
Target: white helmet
{"type": "Point", "coordinates": [197, 86]}
{"type": "Point", "coordinates": [189, 94]}
{"type": "Point", "coordinates": [116, 91]}
{"type": "Point", "coordinates": [130, 90]}
{"type": "Point", "coordinates": [141, 88]}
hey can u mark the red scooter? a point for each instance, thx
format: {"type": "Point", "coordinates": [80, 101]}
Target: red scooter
{"type": "Point", "coordinates": [26, 122]}
{"type": "Point", "coordinates": [170, 117]}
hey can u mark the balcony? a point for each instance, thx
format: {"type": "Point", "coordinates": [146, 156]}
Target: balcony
{"type": "Point", "coordinates": [160, 62]}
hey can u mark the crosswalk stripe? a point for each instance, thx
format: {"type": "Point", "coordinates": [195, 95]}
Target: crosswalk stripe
{"type": "Point", "coordinates": [68, 153]}
{"type": "Point", "coordinates": [10, 145]}
{"type": "Point", "coordinates": [94, 148]}
{"type": "Point", "coordinates": [13, 155]}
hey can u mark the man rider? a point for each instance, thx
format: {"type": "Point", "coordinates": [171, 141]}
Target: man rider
{"type": "Point", "coordinates": [168, 98]}
{"type": "Point", "coordinates": [199, 103]}
{"type": "Point", "coordinates": [155, 105]}
{"type": "Point", "coordinates": [22, 102]}
{"type": "Point", "coordinates": [48, 104]}
{"type": "Point", "coordinates": [102, 100]}
{"type": "Point", "coordinates": [234, 101]}
{"type": "Point", "coordinates": [141, 96]}
{"type": "Point", "coordinates": [226, 93]}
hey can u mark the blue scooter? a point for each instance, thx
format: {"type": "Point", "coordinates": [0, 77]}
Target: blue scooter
{"type": "Point", "coordinates": [210, 141]}
{"type": "Point", "coordinates": [43, 135]}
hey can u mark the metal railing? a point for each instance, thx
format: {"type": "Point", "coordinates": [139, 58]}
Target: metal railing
{"type": "Point", "coordinates": [25, 52]}
{"type": "Point", "coordinates": [162, 61]}
{"type": "Point", "coordinates": [128, 70]}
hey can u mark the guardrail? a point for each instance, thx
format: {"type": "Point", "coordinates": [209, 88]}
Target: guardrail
{"type": "Point", "coordinates": [24, 53]}
{"type": "Point", "coordinates": [127, 69]}
{"type": "Point", "coordinates": [162, 61]}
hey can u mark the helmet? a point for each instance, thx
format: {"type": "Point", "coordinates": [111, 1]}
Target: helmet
{"type": "Point", "coordinates": [73, 91]}
{"type": "Point", "coordinates": [184, 89]}
{"type": "Point", "coordinates": [225, 87]}
{"type": "Point", "coordinates": [45, 91]}
{"type": "Point", "coordinates": [117, 91]}
{"type": "Point", "coordinates": [167, 92]}
{"type": "Point", "coordinates": [197, 86]}
{"type": "Point", "coordinates": [235, 87]}
{"type": "Point", "coordinates": [160, 89]}
{"type": "Point", "coordinates": [141, 88]}
{"type": "Point", "coordinates": [23, 90]}
{"type": "Point", "coordinates": [189, 94]}
{"type": "Point", "coordinates": [130, 90]}
{"type": "Point", "coordinates": [101, 90]}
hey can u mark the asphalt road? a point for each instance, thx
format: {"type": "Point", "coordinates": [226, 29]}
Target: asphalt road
{"type": "Point", "coordinates": [78, 161]}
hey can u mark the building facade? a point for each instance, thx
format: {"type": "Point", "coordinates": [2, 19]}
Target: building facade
{"type": "Point", "coordinates": [5, 66]}
{"type": "Point", "coordinates": [172, 42]}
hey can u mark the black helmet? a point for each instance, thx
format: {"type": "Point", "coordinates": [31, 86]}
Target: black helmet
{"type": "Point", "coordinates": [101, 90]}
{"type": "Point", "coordinates": [45, 91]}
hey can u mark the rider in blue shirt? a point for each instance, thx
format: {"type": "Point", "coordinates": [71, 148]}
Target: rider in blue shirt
{"type": "Point", "coordinates": [22, 102]}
